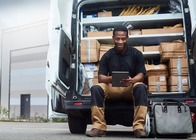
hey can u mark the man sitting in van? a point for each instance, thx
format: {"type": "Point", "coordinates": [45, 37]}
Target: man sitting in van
{"type": "Point", "coordinates": [120, 58]}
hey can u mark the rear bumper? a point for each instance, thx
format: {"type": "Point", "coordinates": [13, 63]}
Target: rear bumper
{"type": "Point", "coordinates": [77, 105]}
{"type": "Point", "coordinates": [82, 105]}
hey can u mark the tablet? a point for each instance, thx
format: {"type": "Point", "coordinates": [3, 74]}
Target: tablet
{"type": "Point", "coordinates": [117, 76]}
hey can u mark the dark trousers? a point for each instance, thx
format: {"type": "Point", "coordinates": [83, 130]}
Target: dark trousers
{"type": "Point", "coordinates": [136, 93]}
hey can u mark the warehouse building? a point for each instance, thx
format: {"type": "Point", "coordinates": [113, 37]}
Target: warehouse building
{"type": "Point", "coordinates": [24, 53]}
{"type": "Point", "coordinates": [23, 48]}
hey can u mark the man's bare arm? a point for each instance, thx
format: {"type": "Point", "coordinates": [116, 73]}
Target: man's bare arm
{"type": "Point", "coordinates": [138, 78]}
{"type": "Point", "coordinates": [104, 79]}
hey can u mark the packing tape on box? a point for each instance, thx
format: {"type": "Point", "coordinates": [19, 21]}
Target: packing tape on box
{"type": "Point", "coordinates": [179, 67]}
{"type": "Point", "coordinates": [158, 87]}
{"type": "Point", "coordinates": [90, 83]}
{"type": "Point", "coordinates": [88, 51]}
{"type": "Point", "coordinates": [180, 89]}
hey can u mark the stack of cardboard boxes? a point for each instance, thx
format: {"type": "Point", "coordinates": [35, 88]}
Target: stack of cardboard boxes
{"type": "Point", "coordinates": [174, 53]}
{"type": "Point", "coordinates": [90, 77]}
{"type": "Point", "coordinates": [178, 71]}
{"type": "Point", "coordinates": [137, 32]}
{"type": "Point", "coordinates": [89, 51]}
{"type": "Point", "coordinates": [172, 77]}
{"type": "Point", "coordinates": [157, 77]}
{"type": "Point", "coordinates": [154, 48]}
{"type": "Point", "coordinates": [162, 30]}
{"type": "Point", "coordinates": [140, 48]}
{"type": "Point", "coordinates": [174, 49]}
{"type": "Point", "coordinates": [92, 73]}
{"type": "Point", "coordinates": [90, 57]}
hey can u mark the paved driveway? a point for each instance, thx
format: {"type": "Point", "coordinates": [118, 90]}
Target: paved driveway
{"type": "Point", "coordinates": [59, 131]}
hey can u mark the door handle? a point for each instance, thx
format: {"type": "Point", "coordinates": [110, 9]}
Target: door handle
{"type": "Point", "coordinates": [59, 27]}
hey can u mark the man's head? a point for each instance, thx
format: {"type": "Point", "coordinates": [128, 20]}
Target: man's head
{"type": "Point", "coordinates": [120, 36]}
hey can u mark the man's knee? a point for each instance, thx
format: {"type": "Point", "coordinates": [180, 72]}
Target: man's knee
{"type": "Point", "coordinates": [97, 96]}
{"type": "Point", "coordinates": [140, 95]}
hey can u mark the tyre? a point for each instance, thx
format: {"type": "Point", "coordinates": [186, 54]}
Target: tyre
{"type": "Point", "coordinates": [194, 127]}
{"type": "Point", "coordinates": [77, 125]}
{"type": "Point", "coordinates": [194, 121]}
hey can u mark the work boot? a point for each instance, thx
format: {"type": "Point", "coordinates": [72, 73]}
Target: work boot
{"type": "Point", "coordinates": [139, 133]}
{"type": "Point", "coordinates": [96, 133]}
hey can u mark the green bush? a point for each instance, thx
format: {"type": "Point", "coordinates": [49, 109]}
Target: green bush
{"type": "Point", "coordinates": [59, 119]}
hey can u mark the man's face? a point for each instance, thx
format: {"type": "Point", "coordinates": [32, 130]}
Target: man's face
{"type": "Point", "coordinates": [120, 40]}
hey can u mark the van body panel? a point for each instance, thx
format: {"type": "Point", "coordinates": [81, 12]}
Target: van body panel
{"type": "Point", "coordinates": [65, 13]}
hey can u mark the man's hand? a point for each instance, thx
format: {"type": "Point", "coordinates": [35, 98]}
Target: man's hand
{"type": "Point", "coordinates": [127, 82]}
{"type": "Point", "coordinates": [138, 78]}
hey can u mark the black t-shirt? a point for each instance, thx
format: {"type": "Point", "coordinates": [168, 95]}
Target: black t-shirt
{"type": "Point", "coordinates": [131, 60]}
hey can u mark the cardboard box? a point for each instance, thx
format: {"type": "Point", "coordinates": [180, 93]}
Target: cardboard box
{"type": "Point", "coordinates": [166, 56]}
{"type": "Point", "coordinates": [182, 71]}
{"type": "Point", "coordinates": [172, 47]}
{"type": "Point", "coordinates": [89, 44]}
{"type": "Point", "coordinates": [153, 70]}
{"type": "Point", "coordinates": [101, 54]}
{"type": "Point", "coordinates": [162, 31]}
{"type": "Point", "coordinates": [89, 55]}
{"type": "Point", "coordinates": [93, 81]}
{"type": "Point", "coordinates": [91, 66]}
{"type": "Point", "coordinates": [178, 63]}
{"type": "Point", "coordinates": [89, 51]}
{"type": "Point", "coordinates": [92, 74]}
{"type": "Point", "coordinates": [151, 48]}
{"type": "Point", "coordinates": [157, 88]}
{"type": "Point", "coordinates": [157, 80]}
{"type": "Point", "coordinates": [135, 32]}
{"type": "Point", "coordinates": [157, 72]}
{"type": "Point", "coordinates": [155, 67]}
{"type": "Point", "coordinates": [105, 14]}
{"type": "Point", "coordinates": [178, 80]}
{"type": "Point", "coordinates": [100, 34]}
{"type": "Point", "coordinates": [104, 48]}
{"type": "Point", "coordinates": [140, 48]}
{"type": "Point", "coordinates": [86, 89]}
{"type": "Point", "coordinates": [88, 84]}
{"type": "Point", "coordinates": [178, 89]}
{"type": "Point", "coordinates": [95, 74]}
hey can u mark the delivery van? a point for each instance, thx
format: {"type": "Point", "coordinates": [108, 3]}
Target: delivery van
{"type": "Point", "coordinates": [81, 32]}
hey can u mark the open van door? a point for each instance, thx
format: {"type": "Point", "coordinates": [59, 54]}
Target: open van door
{"type": "Point", "coordinates": [193, 44]}
{"type": "Point", "coordinates": [59, 53]}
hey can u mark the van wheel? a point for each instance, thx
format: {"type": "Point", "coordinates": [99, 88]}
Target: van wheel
{"type": "Point", "coordinates": [194, 127]}
{"type": "Point", "coordinates": [77, 125]}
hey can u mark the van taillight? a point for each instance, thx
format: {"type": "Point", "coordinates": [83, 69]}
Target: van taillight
{"type": "Point", "coordinates": [193, 117]}
{"type": "Point", "coordinates": [78, 104]}
{"type": "Point", "coordinates": [189, 101]}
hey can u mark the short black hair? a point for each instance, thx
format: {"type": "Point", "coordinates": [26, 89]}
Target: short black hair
{"type": "Point", "coordinates": [120, 28]}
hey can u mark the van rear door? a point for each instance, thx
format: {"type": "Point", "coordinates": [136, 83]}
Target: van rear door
{"type": "Point", "coordinates": [189, 15]}
{"type": "Point", "coordinates": [60, 51]}
{"type": "Point", "coordinates": [193, 45]}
